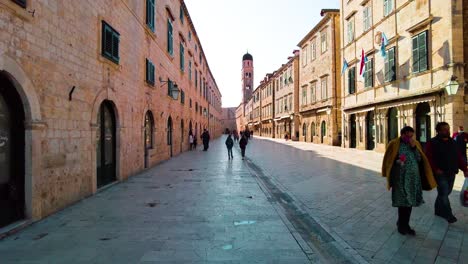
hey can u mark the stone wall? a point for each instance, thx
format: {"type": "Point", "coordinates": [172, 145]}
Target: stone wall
{"type": "Point", "coordinates": [59, 48]}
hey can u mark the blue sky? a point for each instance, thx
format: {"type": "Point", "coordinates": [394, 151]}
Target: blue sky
{"type": "Point", "coordinates": [268, 29]}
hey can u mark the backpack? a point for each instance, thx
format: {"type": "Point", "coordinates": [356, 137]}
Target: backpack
{"type": "Point", "coordinates": [229, 142]}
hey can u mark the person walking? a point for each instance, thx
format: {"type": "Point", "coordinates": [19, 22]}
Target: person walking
{"type": "Point", "coordinates": [205, 139]}
{"type": "Point", "coordinates": [191, 139]}
{"type": "Point", "coordinates": [229, 145]}
{"type": "Point", "coordinates": [236, 136]}
{"type": "Point", "coordinates": [461, 138]}
{"type": "Point", "coordinates": [195, 141]}
{"type": "Point", "coordinates": [445, 159]}
{"type": "Point", "coordinates": [408, 172]}
{"type": "Point", "coordinates": [243, 144]}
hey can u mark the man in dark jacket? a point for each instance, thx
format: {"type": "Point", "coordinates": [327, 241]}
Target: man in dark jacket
{"type": "Point", "coordinates": [229, 145]}
{"type": "Point", "coordinates": [243, 144]}
{"type": "Point", "coordinates": [206, 139]}
{"type": "Point", "coordinates": [445, 159]}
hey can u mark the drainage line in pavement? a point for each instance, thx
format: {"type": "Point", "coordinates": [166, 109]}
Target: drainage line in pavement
{"type": "Point", "coordinates": [311, 232]}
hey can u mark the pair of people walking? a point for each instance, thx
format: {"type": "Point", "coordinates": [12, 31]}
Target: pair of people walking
{"type": "Point", "coordinates": [230, 144]}
{"type": "Point", "coordinates": [410, 170]}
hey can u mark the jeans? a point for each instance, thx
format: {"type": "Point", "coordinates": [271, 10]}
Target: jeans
{"type": "Point", "coordinates": [444, 189]}
{"type": "Point", "coordinates": [230, 153]}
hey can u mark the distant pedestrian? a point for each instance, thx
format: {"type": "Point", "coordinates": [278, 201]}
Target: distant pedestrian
{"type": "Point", "coordinates": [236, 136]}
{"type": "Point", "coordinates": [461, 138]}
{"type": "Point", "coordinates": [446, 160]}
{"type": "Point", "coordinates": [205, 139]}
{"type": "Point", "coordinates": [408, 172]}
{"type": "Point", "coordinates": [229, 145]}
{"type": "Point", "coordinates": [195, 140]}
{"type": "Point", "coordinates": [191, 139]}
{"type": "Point", "coordinates": [243, 144]}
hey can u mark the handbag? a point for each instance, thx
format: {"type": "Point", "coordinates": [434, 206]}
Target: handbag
{"type": "Point", "coordinates": [464, 194]}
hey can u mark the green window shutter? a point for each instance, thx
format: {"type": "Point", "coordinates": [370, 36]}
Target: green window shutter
{"type": "Point", "coordinates": [150, 14]}
{"type": "Point", "coordinates": [115, 46]}
{"type": "Point", "coordinates": [181, 15]}
{"type": "Point", "coordinates": [170, 47]}
{"type": "Point", "coordinates": [392, 65]}
{"type": "Point", "coordinates": [169, 86]}
{"type": "Point", "coordinates": [387, 67]}
{"type": "Point", "coordinates": [182, 59]}
{"type": "Point", "coordinates": [422, 46]}
{"type": "Point", "coordinates": [415, 55]}
{"type": "Point", "coordinates": [152, 68]}
{"type": "Point", "coordinates": [147, 71]}
{"type": "Point", "coordinates": [110, 43]}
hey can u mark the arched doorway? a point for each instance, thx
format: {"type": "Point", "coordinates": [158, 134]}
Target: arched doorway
{"type": "Point", "coordinates": [352, 127]}
{"type": "Point", "coordinates": [190, 127]}
{"type": "Point", "coordinates": [304, 132]}
{"type": "Point", "coordinates": [323, 131]}
{"type": "Point", "coordinates": [12, 154]}
{"type": "Point", "coordinates": [423, 123]}
{"type": "Point", "coordinates": [149, 135]}
{"type": "Point", "coordinates": [182, 135]}
{"type": "Point", "coordinates": [392, 120]}
{"type": "Point", "coordinates": [370, 130]}
{"type": "Point", "coordinates": [169, 134]}
{"type": "Point", "coordinates": [106, 145]}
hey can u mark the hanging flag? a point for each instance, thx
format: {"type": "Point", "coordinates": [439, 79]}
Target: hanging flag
{"type": "Point", "coordinates": [345, 66]}
{"type": "Point", "coordinates": [362, 67]}
{"type": "Point", "coordinates": [383, 45]}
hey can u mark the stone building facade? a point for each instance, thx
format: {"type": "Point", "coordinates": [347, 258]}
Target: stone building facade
{"type": "Point", "coordinates": [267, 95]}
{"type": "Point", "coordinates": [88, 93]}
{"type": "Point", "coordinates": [320, 82]}
{"type": "Point", "coordinates": [228, 119]}
{"type": "Point", "coordinates": [412, 50]}
{"type": "Point", "coordinates": [286, 118]}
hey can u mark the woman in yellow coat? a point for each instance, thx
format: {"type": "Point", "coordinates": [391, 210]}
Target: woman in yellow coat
{"type": "Point", "coordinates": [408, 172]}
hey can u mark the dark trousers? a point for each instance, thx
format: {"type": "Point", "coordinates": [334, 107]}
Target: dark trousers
{"type": "Point", "coordinates": [230, 153]}
{"type": "Point", "coordinates": [404, 215]}
{"type": "Point", "coordinates": [205, 146]}
{"type": "Point", "coordinates": [243, 152]}
{"type": "Point", "coordinates": [444, 189]}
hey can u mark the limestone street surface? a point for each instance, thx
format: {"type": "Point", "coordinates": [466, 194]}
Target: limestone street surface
{"type": "Point", "coordinates": [343, 190]}
{"type": "Point", "coordinates": [196, 208]}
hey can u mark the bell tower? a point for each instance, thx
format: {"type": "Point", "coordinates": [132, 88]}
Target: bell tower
{"type": "Point", "coordinates": [247, 77]}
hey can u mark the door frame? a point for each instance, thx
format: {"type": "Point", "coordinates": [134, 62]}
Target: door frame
{"type": "Point", "coordinates": [110, 107]}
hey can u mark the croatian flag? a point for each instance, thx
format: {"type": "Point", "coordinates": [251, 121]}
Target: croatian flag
{"type": "Point", "coordinates": [345, 66]}
{"type": "Point", "coordinates": [383, 45]}
{"type": "Point", "coordinates": [364, 59]}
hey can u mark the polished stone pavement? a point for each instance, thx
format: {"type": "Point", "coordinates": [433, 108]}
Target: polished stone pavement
{"type": "Point", "coordinates": [289, 202]}
{"type": "Point", "coordinates": [343, 190]}
{"type": "Point", "coordinates": [195, 208]}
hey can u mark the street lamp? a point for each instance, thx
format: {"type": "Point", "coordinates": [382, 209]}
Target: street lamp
{"type": "Point", "coordinates": [452, 86]}
{"type": "Point", "coordinates": [173, 88]}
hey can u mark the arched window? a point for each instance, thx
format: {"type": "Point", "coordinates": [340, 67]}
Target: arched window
{"type": "Point", "coordinates": [313, 129]}
{"type": "Point", "coordinates": [149, 130]}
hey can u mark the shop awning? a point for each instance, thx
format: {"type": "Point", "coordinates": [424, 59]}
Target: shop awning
{"type": "Point", "coordinates": [408, 102]}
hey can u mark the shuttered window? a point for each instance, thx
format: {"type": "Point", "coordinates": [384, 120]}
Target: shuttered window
{"type": "Point", "coordinates": [182, 56]}
{"type": "Point", "coordinates": [420, 52]}
{"type": "Point", "coordinates": [170, 38]}
{"type": "Point", "coordinates": [369, 74]}
{"type": "Point", "coordinates": [110, 43]}
{"type": "Point", "coordinates": [390, 68]}
{"type": "Point", "coordinates": [150, 14]}
{"type": "Point", "coordinates": [352, 80]}
{"type": "Point", "coordinates": [150, 69]}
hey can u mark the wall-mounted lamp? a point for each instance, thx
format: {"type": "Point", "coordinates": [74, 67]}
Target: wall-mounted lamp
{"type": "Point", "coordinates": [173, 88]}
{"type": "Point", "coordinates": [452, 86]}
